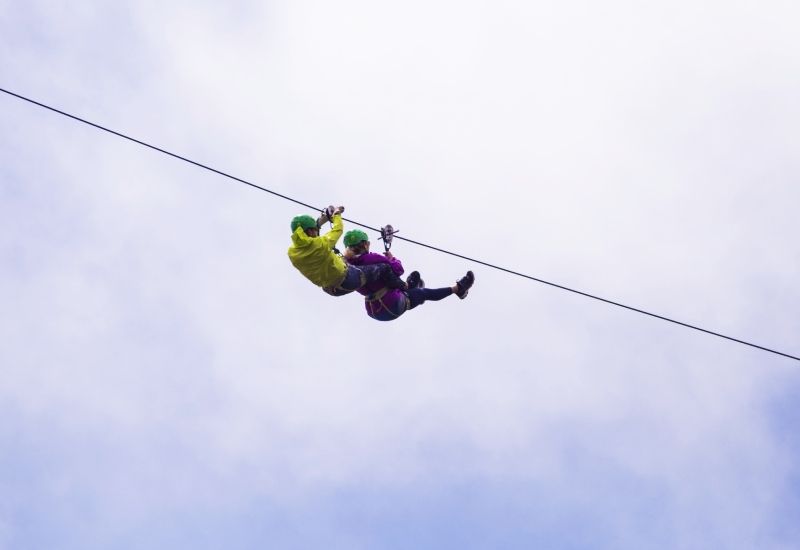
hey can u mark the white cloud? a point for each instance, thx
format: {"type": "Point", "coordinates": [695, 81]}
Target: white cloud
{"type": "Point", "coordinates": [154, 329]}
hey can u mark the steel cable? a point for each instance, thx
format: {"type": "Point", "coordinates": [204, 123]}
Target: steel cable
{"type": "Point", "coordinates": [221, 173]}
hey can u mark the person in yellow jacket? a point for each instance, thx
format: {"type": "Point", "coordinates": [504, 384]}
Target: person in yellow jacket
{"type": "Point", "coordinates": [318, 260]}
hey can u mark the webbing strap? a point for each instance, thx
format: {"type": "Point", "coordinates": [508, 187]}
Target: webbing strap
{"type": "Point", "coordinates": [377, 295]}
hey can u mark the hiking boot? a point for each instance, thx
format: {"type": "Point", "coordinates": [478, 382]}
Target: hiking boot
{"type": "Point", "coordinates": [464, 284]}
{"type": "Point", "coordinates": [415, 281]}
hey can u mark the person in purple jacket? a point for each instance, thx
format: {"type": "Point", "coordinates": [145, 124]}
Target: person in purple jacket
{"type": "Point", "coordinates": [385, 304]}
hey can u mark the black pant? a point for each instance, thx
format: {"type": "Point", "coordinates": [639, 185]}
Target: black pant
{"type": "Point", "coordinates": [418, 296]}
{"type": "Point", "coordinates": [357, 276]}
{"type": "Point", "coordinates": [384, 272]}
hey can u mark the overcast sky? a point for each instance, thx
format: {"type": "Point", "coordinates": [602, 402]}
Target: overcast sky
{"type": "Point", "coordinates": [168, 380]}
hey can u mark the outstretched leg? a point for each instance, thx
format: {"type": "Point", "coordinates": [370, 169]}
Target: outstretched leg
{"type": "Point", "coordinates": [418, 296]}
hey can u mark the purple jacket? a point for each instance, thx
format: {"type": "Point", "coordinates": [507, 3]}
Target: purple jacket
{"type": "Point", "coordinates": [392, 295]}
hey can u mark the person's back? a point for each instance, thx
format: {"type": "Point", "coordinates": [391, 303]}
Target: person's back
{"type": "Point", "coordinates": [314, 256]}
{"type": "Point", "coordinates": [383, 298]}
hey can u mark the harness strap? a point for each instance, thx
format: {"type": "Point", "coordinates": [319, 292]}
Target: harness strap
{"type": "Point", "coordinates": [377, 295]}
{"type": "Point", "coordinates": [362, 277]}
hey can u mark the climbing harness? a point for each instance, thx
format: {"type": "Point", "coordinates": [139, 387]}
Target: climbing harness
{"type": "Point", "coordinates": [378, 295]}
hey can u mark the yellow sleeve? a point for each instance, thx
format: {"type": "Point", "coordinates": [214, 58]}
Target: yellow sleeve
{"type": "Point", "coordinates": [332, 236]}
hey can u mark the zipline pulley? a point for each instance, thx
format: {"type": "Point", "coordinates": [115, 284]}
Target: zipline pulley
{"type": "Point", "coordinates": [327, 213]}
{"type": "Point", "coordinates": [387, 232]}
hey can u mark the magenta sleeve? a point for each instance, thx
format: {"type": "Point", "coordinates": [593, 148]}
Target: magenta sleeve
{"type": "Point", "coordinates": [371, 258]}
{"type": "Point", "coordinates": [397, 267]}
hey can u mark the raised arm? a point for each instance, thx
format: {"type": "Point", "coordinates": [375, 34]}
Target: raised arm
{"type": "Point", "coordinates": [397, 267]}
{"type": "Point", "coordinates": [333, 236]}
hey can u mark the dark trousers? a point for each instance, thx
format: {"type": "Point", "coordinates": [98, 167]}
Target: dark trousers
{"type": "Point", "coordinates": [382, 272]}
{"type": "Point", "coordinates": [418, 296]}
{"type": "Point", "coordinates": [358, 276]}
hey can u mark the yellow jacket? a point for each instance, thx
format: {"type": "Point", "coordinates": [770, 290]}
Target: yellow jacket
{"type": "Point", "coordinates": [314, 256]}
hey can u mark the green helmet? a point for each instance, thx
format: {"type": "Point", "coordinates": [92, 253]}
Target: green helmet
{"type": "Point", "coordinates": [354, 236]}
{"type": "Point", "coordinates": [305, 222]}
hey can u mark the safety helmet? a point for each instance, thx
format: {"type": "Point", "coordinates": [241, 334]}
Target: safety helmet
{"type": "Point", "coordinates": [305, 222]}
{"type": "Point", "coordinates": [354, 236]}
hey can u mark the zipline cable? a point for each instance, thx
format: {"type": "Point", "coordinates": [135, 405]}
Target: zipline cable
{"type": "Point", "coordinates": [214, 170]}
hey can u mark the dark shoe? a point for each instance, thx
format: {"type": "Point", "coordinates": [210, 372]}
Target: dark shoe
{"type": "Point", "coordinates": [415, 281]}
{"type": "Point", "coordinates": [464, 284]}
